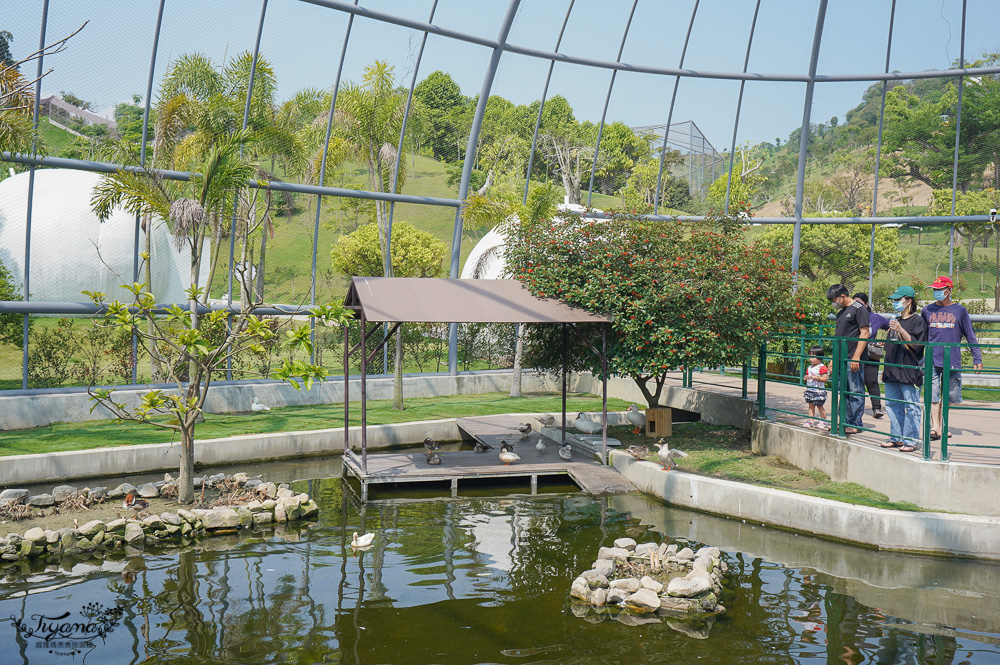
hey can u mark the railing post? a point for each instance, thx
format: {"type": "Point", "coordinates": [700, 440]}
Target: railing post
{"type": "Point", "coordinates": [746, 378]}
{"type": "Point", "coordinates": [835, 388]}
{"type": "Point", "coordinates": [802, 356]}
{"type": "Point", "coordinates": [762, 381]}
{"type": "Point", "coordinates": [945, 399]}
{"type": "Point", "coordinates": [926, 422]}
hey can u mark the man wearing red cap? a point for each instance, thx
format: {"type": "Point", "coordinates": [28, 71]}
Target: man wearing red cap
{"type": "Point", "coordinates": [948, 322]}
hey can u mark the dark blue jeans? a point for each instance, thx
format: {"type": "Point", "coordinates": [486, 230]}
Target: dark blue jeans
{"type": "Point", "coordinates": [855, 401]}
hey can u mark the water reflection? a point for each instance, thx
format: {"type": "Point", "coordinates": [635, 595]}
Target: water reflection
{"type": "Point", "coordinates": [485, 580]}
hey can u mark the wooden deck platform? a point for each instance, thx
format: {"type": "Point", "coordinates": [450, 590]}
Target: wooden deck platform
{"type": "Point", "coordinates": [411, 467]}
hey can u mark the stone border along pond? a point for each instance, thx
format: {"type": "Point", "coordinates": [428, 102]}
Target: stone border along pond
{"type": "Point", "coordinates": [251, 503]}
{"type": "Point", "coordinates": [630, 581]}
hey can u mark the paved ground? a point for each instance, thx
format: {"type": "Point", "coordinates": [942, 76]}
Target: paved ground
{"type": "Point", "coordinates": [968, 428]}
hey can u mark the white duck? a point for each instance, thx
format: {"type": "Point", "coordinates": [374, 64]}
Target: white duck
{"type": "Point", "coordinates": [566, 452]}
{"type": "Point", "coordinates": [586, 425]}
{"type": "Point", "coordinates": [668, 457]}
{"type": "Point", "coordinates": [540, 446]}
{"type": "Point", "coordinates": [358, 542]}
{"type": "Point", "coordinates": [507, 456]}
{"type": "Point", "coordinates": [637, 418]}
{"type": "Point", "coordinates": [257, 406]}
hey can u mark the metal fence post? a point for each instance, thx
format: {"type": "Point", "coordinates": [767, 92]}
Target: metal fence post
{"type": "Point", "coordinates": [762, 381]}
{"type": "Point", "coordinates": [945, 399]}
{"type": "Point", "coordinates": [746, 377]}
{"type": "Point", "coordinates": [928, 373]}
{"type": "Point", "coordinates": [835, 388]}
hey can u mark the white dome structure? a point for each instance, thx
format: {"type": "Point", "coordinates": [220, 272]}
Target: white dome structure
{"type": "Point", "coordinates": [72, 251]}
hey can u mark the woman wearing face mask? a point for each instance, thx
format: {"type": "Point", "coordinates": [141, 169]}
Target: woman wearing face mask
{"type": "Point", "coordinates": [948, 322]}
{"type": "Point", "coordinates": [903, 383]}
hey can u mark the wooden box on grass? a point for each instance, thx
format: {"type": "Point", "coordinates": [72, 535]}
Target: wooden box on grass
{"type": "Point", "coordinates": [659, 421]}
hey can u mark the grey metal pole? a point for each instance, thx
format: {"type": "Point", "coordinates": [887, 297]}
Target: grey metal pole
{"type": "Point", "coordinates": [604, 393]}
{"type": "Point", "coordinates": [670, 112]}
{"type": "Point", "coordinates": [31, 191]}
{"type": "Point", "coordinates": [607, 100]}
{"type": "Point", "coordinates": [541, 105]}
{"type": "Point", "coordinates": [142, 162]}
{"type": "Point", "coordinates": [739, 108]}
{"type": "Point", "coordinates": [322, 175]}
{"type": "Point", "coordinates": [232, 230]}
{"type": "Point", "coordinates": [804, 139]}
{"type": "Point", "coordinates": [470, 155]}
{"type": "Point", "coordinates": [958, 136]}
{"type": "Point", "coordinates": [878, 153]}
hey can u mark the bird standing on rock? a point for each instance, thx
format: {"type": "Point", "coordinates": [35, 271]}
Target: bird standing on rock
{"type": "Point", "coordinates": [430, 444]}
{"type": "Point", "coordinates": [433, 459]}
{"type": "Point", "coordinates": [256, 406]}
{"type": "Point", "coordinates": [525, 430]}
{"type": "Point", "coordinates": [566, 452]}
{"type": "Point", "coordinates": [132, 502]}
{"type": "Point", "coordinates": [637, 418]}
{"type": "Point", "coordinates": [668, 457]}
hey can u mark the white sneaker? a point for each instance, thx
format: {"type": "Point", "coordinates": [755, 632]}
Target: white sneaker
{"type": "Point", "coordinates": [810, 424]}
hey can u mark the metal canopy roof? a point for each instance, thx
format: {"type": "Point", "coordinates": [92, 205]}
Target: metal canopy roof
{"type": "Point", "coordinates": [431, 300]}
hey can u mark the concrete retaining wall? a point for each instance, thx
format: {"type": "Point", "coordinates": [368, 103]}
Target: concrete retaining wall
{"type": "Point", "coordinates": [930, 533]}
{"type": "Point", "coordinates": [948, 486]}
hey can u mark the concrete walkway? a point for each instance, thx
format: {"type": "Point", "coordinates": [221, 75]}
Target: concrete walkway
{"type": "Point", "coordinates": [968, 428]}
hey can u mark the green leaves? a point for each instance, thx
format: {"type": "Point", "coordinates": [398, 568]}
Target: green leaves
{"type": "Point", "coordinates": [295, 371]}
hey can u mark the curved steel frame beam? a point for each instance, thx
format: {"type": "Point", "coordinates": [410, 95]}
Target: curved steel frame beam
{"type": "Point", "coordinates": [541, 104]}
{"type": "Point", "coordinates": [958, 136]}
{"type": "Point", "coordinates": [340, 5]}
{"type": "Point", "coordinates": [804, 137]}
{"type": "Point", "coordinates": [739, 106]}
{"type": "Point", "coordinates": [607, 100]}
{"type": "Point", "coordinates": [878, 152]}
{"type": "Point", "coordinates": [670, 112]}
{"type": "Point", "coordinates": [470, 155]}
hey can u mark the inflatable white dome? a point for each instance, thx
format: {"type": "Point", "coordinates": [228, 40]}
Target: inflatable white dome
{"type": "Point", "coordinates": [72, 251]}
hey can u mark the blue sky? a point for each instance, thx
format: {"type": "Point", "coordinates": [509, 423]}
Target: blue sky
{"type": "Point", "coordinates": [109, 60]}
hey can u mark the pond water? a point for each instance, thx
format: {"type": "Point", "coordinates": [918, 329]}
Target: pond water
{"type": "Point", "coordinates": [485, 579]}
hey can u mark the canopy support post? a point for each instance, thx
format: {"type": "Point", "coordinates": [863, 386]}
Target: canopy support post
{"type": "Point", "coordinates": [364, 395]}
{"type": "Point", "coordinates": [564, 372]}
{"type": "Point", "coordinates": [604, 393]}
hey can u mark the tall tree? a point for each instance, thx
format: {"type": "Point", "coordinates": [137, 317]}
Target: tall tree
{"type": "Point", "coordinates": [441, 104]}
{"type": "Point", "coordinates": [566, 145]}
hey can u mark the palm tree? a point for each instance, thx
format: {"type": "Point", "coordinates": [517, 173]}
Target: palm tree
{"type": "Point", "coordinates": [188, 208]}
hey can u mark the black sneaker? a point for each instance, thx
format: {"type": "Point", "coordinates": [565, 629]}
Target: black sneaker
{"type": "Point", "coordinates": [878, 413]}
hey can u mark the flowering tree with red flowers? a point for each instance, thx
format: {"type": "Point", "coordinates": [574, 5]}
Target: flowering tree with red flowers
{"type": "Point", "coordinates": [679, 294]}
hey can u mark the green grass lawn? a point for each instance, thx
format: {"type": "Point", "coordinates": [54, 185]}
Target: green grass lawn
{"type": "Point", "coordinates": [724, 452]}
{"type": "Point", "coordinates": [53, 138]}
{"type": "Point", "coordinates": [63, 437]}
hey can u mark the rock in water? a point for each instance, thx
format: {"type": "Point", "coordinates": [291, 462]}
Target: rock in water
{"type": "Point", "coordinates": [625, 543]}
{"type": "Point", "coordinates": [687, 588]}
{"type": "Point", "coordinates": [643, 601]}
{"type": "Point", "coordinates": [580, 589]}
{"type": "Point", "coordinates": [628, 584]}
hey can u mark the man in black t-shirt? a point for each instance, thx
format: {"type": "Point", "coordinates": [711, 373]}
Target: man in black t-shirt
{"type": "Point", "coordinates": [852, 321]}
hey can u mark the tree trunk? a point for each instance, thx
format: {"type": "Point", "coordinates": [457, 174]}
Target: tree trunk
{"type": "Point", "coordinates": [185, 483]}
{"type": "Point", "coordinates": [216, 248]}
{"type": "Point", "coordinates": [260, 265]}
{"type": "Point", "coordinates": [652, 399]}
{"type": "Point", "coordinates": [515, 382]}
{"type": "Point", "coordinates": [397, 382]}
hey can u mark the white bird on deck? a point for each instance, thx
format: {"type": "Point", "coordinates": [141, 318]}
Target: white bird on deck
{"type": "Point", "coordinates": [547, 420]}
{"type": "Point", "coordinates": [540, 446]}
{"type": "Point", "coordinates": [586, 425]}
{"type": "Point", "coordinates": [637, 418]}
{"type": "Point", "coordinates": [358, 542]}
{"type": "Point", "coordinates": [257, 406]}
{"type": "Point", "coordinates": [507, 455]}
{"type": "Point", "coordinates": [668, 457]}
{"type": "Point", "coordinates": [566, 452]}
{"type": "Point", "coordinates": [524, 429]}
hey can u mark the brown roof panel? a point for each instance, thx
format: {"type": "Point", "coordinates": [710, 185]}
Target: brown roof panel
{"type": "Point", "coordinates": [431, 300]}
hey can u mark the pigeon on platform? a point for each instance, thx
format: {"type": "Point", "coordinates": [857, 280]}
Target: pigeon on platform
{"type": "Point", "coordinates": [586, 425]}
{"type": "Point", "coordinates": [566, 452]}
{"type": "Point", "coordinates": [481, 447]}
{"type": "Point", "coordinates": [540, 446]}
{"type": "Point", "coordinates": [637, 418]}
{"type": "Point", "coordinates": [433, 459]}
{"type": "Point", "coordinates": [256, 406]}
{"type": "Point", "coordinates": [525, 430]}
{"type": "Point", "coordinates": [668, 458]}
{"type": "Point", "coordinates": [547, 421]}
{"type": "Point", "coordinates": [430, 444]}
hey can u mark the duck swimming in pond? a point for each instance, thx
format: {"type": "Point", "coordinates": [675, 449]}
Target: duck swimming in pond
{"type": "Point", "coordinates": [362, 541]}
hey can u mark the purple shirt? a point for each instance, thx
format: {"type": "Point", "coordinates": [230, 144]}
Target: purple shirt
{"type": "Point", "coordinates": [877, 322]}
{"type": "Point", "coordinates": [949, 323]}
